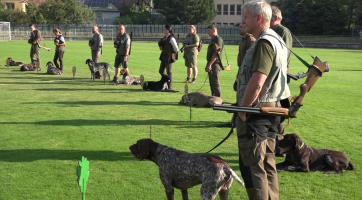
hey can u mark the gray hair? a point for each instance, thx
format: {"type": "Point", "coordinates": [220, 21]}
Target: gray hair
{"type": "Point", "coordinates": [259, 7]}
{"type": "Point", "coordinates": [276, 12]}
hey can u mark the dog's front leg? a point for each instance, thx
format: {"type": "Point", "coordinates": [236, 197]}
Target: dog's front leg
{"type": "Point", "coordinates": [185, 195]}
{"type": "Point", "coordinates": [169, 189]}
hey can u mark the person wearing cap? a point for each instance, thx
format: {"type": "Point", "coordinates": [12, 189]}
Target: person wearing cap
{"type": "Point", "coordinates": [59, 42]}
{"type": "Point", "coordinates": [191, 43]}
{"type": "Point", "coordinates": [214, 60]}
{"type": "Point", "coordinates": [34, 40]}
{"type": "Point", "coordinates": [169, 48]}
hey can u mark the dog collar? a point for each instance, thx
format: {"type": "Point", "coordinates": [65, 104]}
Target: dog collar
{"type": "Point", "coordinates": [301, 146]}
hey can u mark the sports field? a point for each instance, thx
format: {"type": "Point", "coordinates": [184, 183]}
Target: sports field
{"type": "Point", "coordinates": [48, 122]}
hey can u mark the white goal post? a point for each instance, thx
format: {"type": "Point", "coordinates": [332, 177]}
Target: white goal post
{"type": "Point", "coordinates": [5, 32]}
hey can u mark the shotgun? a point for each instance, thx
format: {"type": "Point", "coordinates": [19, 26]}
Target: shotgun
{"type": "Point", "coordinates": [315, 71]}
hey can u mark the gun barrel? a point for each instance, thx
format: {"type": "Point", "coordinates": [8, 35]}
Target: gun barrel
{"type": "Point", "coordinates": [261, 111]}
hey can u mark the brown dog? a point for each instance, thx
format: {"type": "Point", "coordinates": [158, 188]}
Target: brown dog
{"type": "Point", "coordinates": [200, 99]}
{"type": "Point", "coordinates": [184, 170]}
{"type": "Point", "coordinates": [308, 159]}
{"type": "Point", "coordinates": [30, 67]}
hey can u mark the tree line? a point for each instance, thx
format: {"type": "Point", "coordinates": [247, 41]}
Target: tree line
{"type": "Point", "coordinates": [317, 17]}
{"type": "Point", "coordinates": [49, 12]}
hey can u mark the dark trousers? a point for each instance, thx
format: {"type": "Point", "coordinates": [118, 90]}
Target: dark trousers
{"type": "Point", "coordinates": [35, 50]}
{"type": "Point", "coordinates": [95, 59]}
{"type": "Point", "coordinates": [58, 55]}
{"type": "Point", "coordinates": [165, 65]}
{"type": "Point", "coordinates": [214, 80]}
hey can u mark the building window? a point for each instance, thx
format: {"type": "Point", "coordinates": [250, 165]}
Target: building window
{"type": "Point", "coordinates": [218, 23]}
{"type": "Point", "coordinates": [226, 9]}
{"type": "Point", "coordinates": [225, 24]}
{"type": "Point", "coordinates": [238, 9]}
{"type": "Point", "coordinates": [232, 9]}
{"type": "Point", "coordinates": [218, 8]}
{"type": "Point", "coordinates": [232, 24]}
{"type": "Point", "coordinates": [10, 6]}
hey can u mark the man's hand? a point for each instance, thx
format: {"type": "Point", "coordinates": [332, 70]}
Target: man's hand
{"type": "Point", "coordinates": [242, 116]}
{"type": "Point", "coordinates": [34, 42]}
{"type": "Point", "coordinates": [125, 58]}
{"type": "Point", "coordinates": [56, 44]}
{"type": "Point", "coordinates": [161, 48]}
{"type": "Point", "coordinates": [208, 68]}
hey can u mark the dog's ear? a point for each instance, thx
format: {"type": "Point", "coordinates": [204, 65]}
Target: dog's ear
{"type": "Point", "coordinates": [298, 141]}
{"type": "Point", "coordinates": [144, 147]}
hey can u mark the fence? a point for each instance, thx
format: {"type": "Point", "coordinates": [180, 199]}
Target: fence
{"type": "Point", "coordinates": [149, 32]}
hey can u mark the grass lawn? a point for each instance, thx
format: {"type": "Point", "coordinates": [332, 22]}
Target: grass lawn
{"type": "Point", "coordinates": [48, 122]}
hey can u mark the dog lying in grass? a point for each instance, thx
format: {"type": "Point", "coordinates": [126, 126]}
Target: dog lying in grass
{"type": "Point", "coordinates": [200, 100]}
{"type": "Point", "coordinates": [11, 62]}
{"type": "Point", "coordinates": [53, 70]}
{"type": "Point", "coordinates": [183, 170]}
{"type": "Point", "coordinates": [97, 67]}
{"type": "Point", "coordinates": [30, 67]}
{"type": "Point", "coordinates": [127, 79]}
{"type": "Point", "coordinates": [308, 159]}
{"type": "Point", "coordinates": [161, 85]}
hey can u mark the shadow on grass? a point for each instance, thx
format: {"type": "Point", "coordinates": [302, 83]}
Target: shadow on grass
{"type": "Point", "coordinates": [350, 70]}
{"type": "Point", "coordinates": [97, 103]}
{"type": "Point", "coordinates": [29, 155]}
{"type": "Point", "coordinates": [121, 122]}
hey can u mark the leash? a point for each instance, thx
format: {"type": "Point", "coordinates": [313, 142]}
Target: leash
{"type": "Point", "coordinates": [228, 135]}
{"type": "Point", "coordinates": [203, 83]}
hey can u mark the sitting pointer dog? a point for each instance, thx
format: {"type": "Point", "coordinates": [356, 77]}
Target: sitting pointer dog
{"type": "Point", "coordinates": [200, 99]}
{"type": "Point", "coordinates": [97, 67]}
{"type": "Point", "coordinates": [308, 159]}
{"type": "Point", "coordinates": [53, 70]}
{"type": "Point", "coordinates": [184, 170]}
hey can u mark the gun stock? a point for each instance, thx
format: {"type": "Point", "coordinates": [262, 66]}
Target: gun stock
{"type": "Point", "coordinates": [314, 72]}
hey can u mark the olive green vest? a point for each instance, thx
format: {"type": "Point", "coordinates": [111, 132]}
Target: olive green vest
{"type": "Point", "coordinates": [275, 87]}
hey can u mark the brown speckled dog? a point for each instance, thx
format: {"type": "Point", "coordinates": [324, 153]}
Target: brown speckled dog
{"type": "Point", "coordinates": [184, 170]}
{"type": "Point", "coordinates": [30, 67]}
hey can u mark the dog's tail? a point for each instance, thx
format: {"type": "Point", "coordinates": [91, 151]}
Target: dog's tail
{"type": "Point", "coordinates": [350, 166]}
{"type": "Point", "coordinates": [234, 175]}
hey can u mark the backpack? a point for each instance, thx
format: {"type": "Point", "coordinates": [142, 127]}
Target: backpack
{"type": "Point", "coordinates": [200, 46]}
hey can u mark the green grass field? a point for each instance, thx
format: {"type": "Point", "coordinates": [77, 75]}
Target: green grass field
{"type": "Point", "coordinates": [48, 122]}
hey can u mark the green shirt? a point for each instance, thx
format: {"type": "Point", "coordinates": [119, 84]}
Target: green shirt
{"type": "Point", "coordinates": [211, 48]}
{"type": "Point", "coordinates": [191, 39]}
{"type": "Point", "coordinates": [284, 33]}
{"type": "Point", "coordinates": [263, 57]}
{"type": "Point", "coordinates": [124, 43]}
{"type": "Point", "coordinates": [34, 35]}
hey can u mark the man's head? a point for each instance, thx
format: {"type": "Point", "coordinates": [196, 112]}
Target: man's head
{"type": "Point", "coordinates": [276, 17]}
{"type": "Point", "coordinates": [95, 29]}
{"type": "Point", "coordinates": [167, 30]}
{"type": "Point", "coordinates": [242, 31]}
{"type": "Point", "coordinates": [256, 17]}
{"type": "Point", "coordinates": [32, 27]}
{"type": "Point", "coordinates": [121, 29]}
{"type": "Point", "coordinates": [212, 30]}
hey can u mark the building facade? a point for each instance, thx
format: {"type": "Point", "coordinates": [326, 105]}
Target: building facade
{"type": "Point", "coordinates": [229, 12]}
{"type": "Point", "coordinates": [15, 4]}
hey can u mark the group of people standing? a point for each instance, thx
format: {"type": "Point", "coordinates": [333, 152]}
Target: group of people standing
{"type": "Point", "coordinates": [261, 81]}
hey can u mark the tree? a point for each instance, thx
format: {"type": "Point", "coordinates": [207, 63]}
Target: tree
{"type": "Point", "coordinates": [34, 14]}
{"type": "Point", "coordinates": [187, 11]}
{"type": "Point", "coordinates": [134, 15]}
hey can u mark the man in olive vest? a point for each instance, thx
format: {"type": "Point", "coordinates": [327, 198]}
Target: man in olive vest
{"type": "Point", "coordinates": [169, 48]}
{"type": "Point", "coordinates": [35, 36]}
{"type": "Point", "coordinates": [246, 41]}
{"type": "Point", "coordinates": [284, 33]}
{"type": "Point", "coordinates": [214, 56]}
{"type": "Point", "coordinates": [96, 47]}
{"type": "Point", "coordinates": [261, 83]}
{"type": "Point", "coordinates": [123, 45]}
